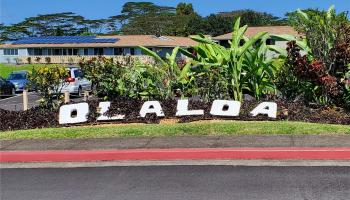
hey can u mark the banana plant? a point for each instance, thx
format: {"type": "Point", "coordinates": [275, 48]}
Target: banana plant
{"type": "Point", "coordinates": [173, 75]}
{"type": "Point", "coordinates": [259, 70]}
{"type": "Point", "coordinates": [212, 55]}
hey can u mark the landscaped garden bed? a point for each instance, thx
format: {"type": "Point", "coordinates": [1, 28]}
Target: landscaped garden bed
{"type": "Point", "coordinates": [287, 111]}
{"type": "Point", "coordinates": [309, 80]}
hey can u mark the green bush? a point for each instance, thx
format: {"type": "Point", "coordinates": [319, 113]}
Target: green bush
{"type": "Point", "coordinates": [112, 79]}
{"type": "Point", "coordinates": [48, 81]}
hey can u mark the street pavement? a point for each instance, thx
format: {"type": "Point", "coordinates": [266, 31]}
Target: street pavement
{"type": "Point", "coordinates": [177, 182]}
{"type": "Point", "coordinates": [16, 103]}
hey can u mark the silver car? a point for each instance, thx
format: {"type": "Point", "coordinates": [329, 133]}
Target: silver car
{"type": "Point", "coordinates": [76, 83]}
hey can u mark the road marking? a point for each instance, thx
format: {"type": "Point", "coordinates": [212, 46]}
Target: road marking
{"type": "Point", "coordinates": [253, 163]}
{"type": "Point", "coordinates": [177, 154]}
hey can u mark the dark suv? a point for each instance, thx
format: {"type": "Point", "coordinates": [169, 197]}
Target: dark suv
{"type": "Point", "coordinates": [6, 88]}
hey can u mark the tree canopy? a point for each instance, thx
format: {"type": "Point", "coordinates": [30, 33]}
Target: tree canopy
{"type": "Point", "coordinates": [136, 18]}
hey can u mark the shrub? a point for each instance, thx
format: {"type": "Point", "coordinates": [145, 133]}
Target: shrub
{"type": "Point", "coordinates": [37, 59]}
{"type": "Point", "coordinates": [48, 60]}
{"type": "Point", "coordinates": [49, 82]}
{"type": "Point", "coordinates": [321, 30]}
{"type": "Point", "coordinates": [174, 75]}
{"type": "Point", "coordinates": [112, 79]}
{"type": "Point", "coordinates": [18, 61]}
{"type": "Point", "coordinates": [70, 61]}
{"type": "Point", "coordinates": [320, 75]}
{"type": "Point", "coordinates": [29, 60]}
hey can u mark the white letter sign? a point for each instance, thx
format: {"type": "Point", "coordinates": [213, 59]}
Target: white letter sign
{"type": "Point", "coordinates": [266, 108]}
{"type": "Point", "coordinates": [182, 109]}
{"type": "Point", "coordinates": [225, 108]}
{"type": "Point", "coordinates": [104, 107]}
{"type": "Point", "coordinates": [81, 110]}
{"type": "Point", "coordinates": [151, 107]}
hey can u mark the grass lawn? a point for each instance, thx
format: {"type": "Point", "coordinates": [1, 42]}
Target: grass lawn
{"type": "Point", "coordinates": [178, 129]}
{"type": "Point", "coordinates": [6, 69]}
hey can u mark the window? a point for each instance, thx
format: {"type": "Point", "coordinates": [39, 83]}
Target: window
{"type": "Point", "coordinates": [132, 51]}
{"type": "Point", "coordinates": [11, 52]}
{"type": "Point", "coordinates": [118, 51]}
{"type": "Point", "coordinates": [31, 52]}
{"type": "Point", "coordinates": [224, 43]}
{"type": "Point", "coordinates": [78, 74]}
{"type": "Point", "coordinates": [98, 51]}
{"type": "Point", "coordinates": [270, 42]}
{"type": "Point", "coordinates": [241, 42]}
{"type": "Point", "coordinates": [75, 51]}
{"type": "Point", "coordinates": [64, 52]}
{"type": "Point", "coordinates": [38, 52]}
{"type": "Point", "coordinates": [57, 52]}
{"type": "Point", "coordinates": [86, 51]}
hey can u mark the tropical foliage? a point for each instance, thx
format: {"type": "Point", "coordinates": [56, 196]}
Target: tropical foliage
{"type": "Point", "coordinates": [243, 66]}
{"type": "Point", "coordinates": [135, 18]}
{"type": "Point", "coordinates": [314, 68]}
{"type": "Point", "coordinates": [49, 82]}
{"type": "Point", "coordinates": [321, 75]}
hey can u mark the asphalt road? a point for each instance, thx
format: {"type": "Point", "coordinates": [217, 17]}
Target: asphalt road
{"type": "Point", "coordinates": [177, 182]}
{"type": "Point", "coordinates": [15, 103]}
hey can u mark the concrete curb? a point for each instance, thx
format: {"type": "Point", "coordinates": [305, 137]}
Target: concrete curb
{"type": "Point", "coordinates": [176, 154]}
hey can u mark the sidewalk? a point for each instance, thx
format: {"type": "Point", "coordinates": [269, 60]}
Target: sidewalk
{"type": "Point", "coordinates": [241, 141]}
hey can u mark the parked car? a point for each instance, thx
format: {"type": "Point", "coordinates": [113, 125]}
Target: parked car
{"type": "Point", "coordinates": [76, 82]}
{"type": "Point", "coordinates": [6, 88]}
{"type": "Point", "coordinates": [19, 79]}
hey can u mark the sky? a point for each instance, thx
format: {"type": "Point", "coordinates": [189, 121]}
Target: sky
{"type": "Point", "coordinates": [14, 11]}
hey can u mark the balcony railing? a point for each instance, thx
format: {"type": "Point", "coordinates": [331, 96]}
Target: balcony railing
{"type": "Point", "coordinates": [77, 59]}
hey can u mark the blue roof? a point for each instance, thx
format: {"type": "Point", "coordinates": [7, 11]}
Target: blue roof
{"type": "Point", "coordinates": [64, 40]}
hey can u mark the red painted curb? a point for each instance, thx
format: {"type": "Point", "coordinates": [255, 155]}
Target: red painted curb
{"type": "Point", "coordinates": [177, 154]}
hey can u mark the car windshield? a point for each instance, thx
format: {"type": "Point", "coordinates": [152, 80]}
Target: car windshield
{"type": "Point", "coordinates": [17, 76]}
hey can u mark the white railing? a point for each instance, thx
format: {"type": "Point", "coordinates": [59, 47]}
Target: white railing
{"type": "Point", "coordinates": [77, 59]}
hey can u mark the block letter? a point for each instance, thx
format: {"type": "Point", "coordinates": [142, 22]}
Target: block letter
{"type": "Point", "coordinates": [182, 109]}
{"type": "Point", "coordinates": [104, 107]}
{"type": "Point", "coordinates": [151, 107]}
{"type": "Point", "coordinates": [225, 108]}
{"type": "Point", "coordinates": [266, 108]}
{"type": "Point", "coordinates": [80, 112]}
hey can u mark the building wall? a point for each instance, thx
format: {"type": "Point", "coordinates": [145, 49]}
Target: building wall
{"type": "Point", "coordinates": [12, 58]}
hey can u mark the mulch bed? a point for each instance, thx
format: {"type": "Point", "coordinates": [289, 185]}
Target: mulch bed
{"type": "Point", "coordinates": [291, 111]}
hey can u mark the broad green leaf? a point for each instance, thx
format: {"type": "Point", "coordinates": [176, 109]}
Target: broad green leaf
{"type": "Point", "coordinates": [251, 42]}
{"type": "Point", "coordinates": [152, 54]}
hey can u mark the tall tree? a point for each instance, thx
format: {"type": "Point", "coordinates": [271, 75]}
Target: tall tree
{"type": "Point", "coordinates": [147, 18]}
{"type": "Point", "coordinates": [185, 9]}
{"type": "Point", "coordinates": [217, 25]}
{"type": "Point", "coordinates": [253, 18]}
